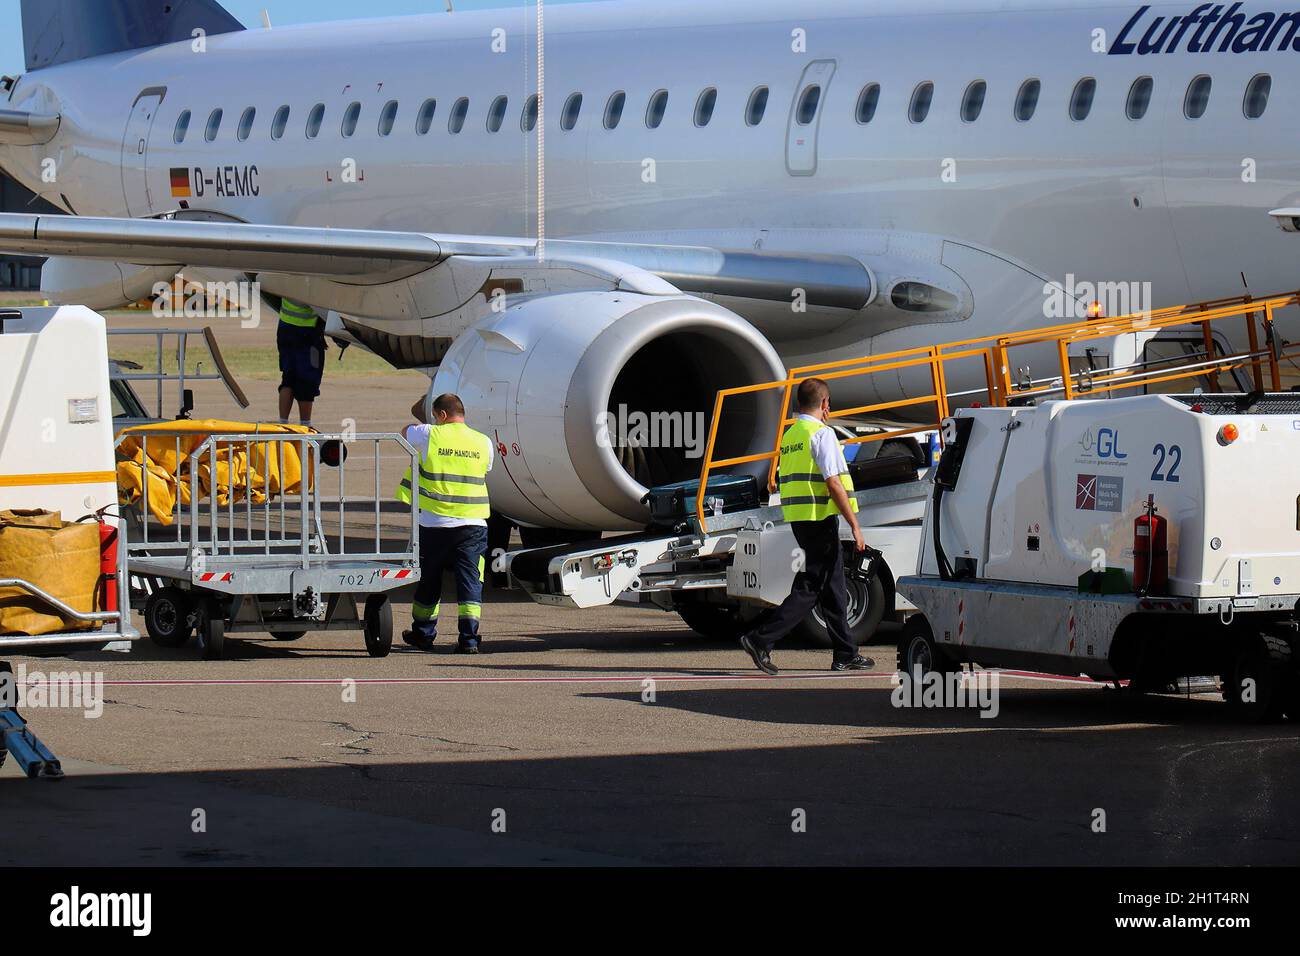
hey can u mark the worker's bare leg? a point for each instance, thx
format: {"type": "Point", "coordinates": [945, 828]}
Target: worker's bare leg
{"type": "Point", "coordinates": [286, 403]}
{"type": "Point", "coordinates": [304, 412]}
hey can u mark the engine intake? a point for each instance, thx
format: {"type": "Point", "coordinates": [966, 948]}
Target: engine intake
{"type": "Point", "coordinates": [593, 397]}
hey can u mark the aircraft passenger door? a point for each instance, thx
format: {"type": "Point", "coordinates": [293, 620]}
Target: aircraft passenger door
{"type": "Point", "coordinates": [135, 152]}
{"type": "Point", "coordinates": [806, 118]}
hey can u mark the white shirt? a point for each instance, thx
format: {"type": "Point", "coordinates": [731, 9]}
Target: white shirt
{"type": "Point", "coordinates": [418, 436]}
{"type": "Point", "coordinates": [826, 449]}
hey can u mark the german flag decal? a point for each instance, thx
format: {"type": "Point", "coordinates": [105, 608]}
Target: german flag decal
{"type": "Point", "coordinates": [180, 183]}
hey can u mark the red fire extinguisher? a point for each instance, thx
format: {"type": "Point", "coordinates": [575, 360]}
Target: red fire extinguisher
{"type": "Point", "coordinates": [1150, 551]}
{"type": "Point", "coordinates": [108, 564]}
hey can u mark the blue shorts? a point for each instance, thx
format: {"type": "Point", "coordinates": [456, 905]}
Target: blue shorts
{"type": "Point", "coordinates": [302, 360]}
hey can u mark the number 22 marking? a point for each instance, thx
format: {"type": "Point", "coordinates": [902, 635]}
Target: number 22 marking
{"type": "Point", "coordinates": [1174, 457]}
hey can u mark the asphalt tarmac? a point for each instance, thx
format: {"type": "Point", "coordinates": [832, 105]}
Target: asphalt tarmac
{"type": "Point", "coordinates": [619, 737]}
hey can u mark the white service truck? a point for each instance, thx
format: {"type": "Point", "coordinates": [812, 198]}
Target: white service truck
{"type": "Point", "coordinates": [1146, 539]}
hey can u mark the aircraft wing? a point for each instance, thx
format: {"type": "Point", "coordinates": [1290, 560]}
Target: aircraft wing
{"type": "Point", "coordinates": [373, 257]}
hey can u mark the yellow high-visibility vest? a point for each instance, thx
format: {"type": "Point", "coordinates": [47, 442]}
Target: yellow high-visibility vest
{"type": "Point", "coordinates": [804, 495]}
{"type": "Point", "coordinates": [294, 314]}
{"type": "Point", "coordinates": [453, 473]}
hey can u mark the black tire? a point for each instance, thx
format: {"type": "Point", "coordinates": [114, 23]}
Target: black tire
{"type": "Point", "coordinates": [378, 625]}
{"type": "Point", "coordinates": [167, 617]}
{"type": "Point", "coordinates": [901, 448]}
{"type": "Point", "coordinates": [289, 635]}
{"type": "Point", "coordinates": [918, 650]}
{"type": "Point", "coordinates": [1258, 682]}
{"type": "Point", "coordinates": [212, 632]}
{"type": "Point", "coordinates": [717, 622]}
{"type": "Point", "coordinates": [866, 611]}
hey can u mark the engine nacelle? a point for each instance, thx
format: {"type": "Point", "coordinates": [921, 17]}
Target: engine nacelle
{"type": "Point", "coordinates": [97, 284]}
{"type": "Point", "coordinates": [592, 397]}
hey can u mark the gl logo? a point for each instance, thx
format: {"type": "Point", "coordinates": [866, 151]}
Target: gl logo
{"type": "Point", "coordinates": [1108, 444]}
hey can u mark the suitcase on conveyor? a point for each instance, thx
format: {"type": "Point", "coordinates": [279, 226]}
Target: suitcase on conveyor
{"type": "Point", "coordinates": [879, 472]}
{"type": "Point", "coordinates": [673, 504]}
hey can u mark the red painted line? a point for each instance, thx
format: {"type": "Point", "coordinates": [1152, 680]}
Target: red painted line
{"type": "Point", "coordinates": [633, 679]}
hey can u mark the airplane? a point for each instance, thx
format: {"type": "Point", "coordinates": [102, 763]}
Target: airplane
{"type": "Point", "coordinates": [727, 189]}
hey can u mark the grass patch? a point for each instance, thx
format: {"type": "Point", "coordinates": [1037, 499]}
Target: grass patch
{"type": "Point", "coordinates": [252, 362]}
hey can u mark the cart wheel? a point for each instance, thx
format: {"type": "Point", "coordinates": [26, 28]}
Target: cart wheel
{"type": "Point", "coordinates": [166, 617]}
{"type": "Point", "coordinates": [378, 625]}
{"type": "Point", "coordinates": [917, 650]}
{"type": "Point", "coordinates": [289, 635]}
{"type": "Point", "coordinates": [212, 635]}
{"type": "Point", "coordinates": [867, 599]}
{"type": "Point", "coordinates": [1255, 686]}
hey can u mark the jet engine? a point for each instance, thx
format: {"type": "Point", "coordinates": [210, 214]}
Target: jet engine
{"type": "Point", "coordinates": [593, 397]}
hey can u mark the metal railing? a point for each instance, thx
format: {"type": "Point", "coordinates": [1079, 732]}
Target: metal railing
{"type": "Point", "coordinates": [995, 354]}
{"type": "Point", "coordinates": [182, 377]}
{"type": "Point", "coordinates": [243, 510]}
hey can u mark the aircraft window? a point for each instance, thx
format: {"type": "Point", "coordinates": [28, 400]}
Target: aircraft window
{"type": "Point", "coordinates": [972, 104]}
{"type": "Point", "coordinates": [182, 127]}
{"type": "Point", "coordinates": [654, 113]}
{"type": "Point", "coordinates": [756, 109]}
{"type": "Point", "coordinates": [614, 110]}
{"type": "Point", "coordinates": [922, 97]}
{"type": "Point", "coordinates": [809, 100]}
{"type": "Point", "coordinates": [246, 124]}
{"type": "Point", "coordinates": [497, 113]}
{"type": "Point", "coordinates": [387, 118]}
{"type": "Point", "coordinates": [1257, 96]}
{"type": "Point", "coordinates": [214, 125]}
{"type": "Point", "coordinates": [1139, 97]}
{"type": "Point", "coordinates": [528, 122]}
{"type": "Point", "coordinates": [868, 100]}
{"type": "Point", "coordinates": [350, 117]}
{"type": "Point", "coordinates": [424, 118]}
{"type": "Point", "coordinates": [919, 297]}
{"type": "Point", "coordinates": [314, 120]}
{"type": "Point", "coordinates": [1081, 99]}
{"type": "Point", "coordinates": [1027, 100]}
{"type": "Point", "coordinates": [280, 122]}
{"type": "Point", "coordinates": [705, 106]}
{"type": "Point", "coordinates": [459, 110]}
{"type": "Point", "coordinates": [1198, 97]}
{"type": "Point", "coordinates": [572, 109]}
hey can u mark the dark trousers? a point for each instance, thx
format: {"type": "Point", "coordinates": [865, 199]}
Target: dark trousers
{"type": "Point", "coordinates": [819, 584]}
{"type": "Point", "coordinates": [461, 551]}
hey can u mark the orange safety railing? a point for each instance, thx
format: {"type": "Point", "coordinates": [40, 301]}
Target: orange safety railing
{"type": "Point", "coordinates": [995, 355]}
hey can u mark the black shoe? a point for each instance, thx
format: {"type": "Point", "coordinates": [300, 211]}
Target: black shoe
{"type": "Point", "coordinates": [419, 643]}
{"type": "Point", "coordinates": [467, 647]}
{"type": "Point", "coordinates": [762, 659]}
{"type": "Point", "coordinates": [859, 663]}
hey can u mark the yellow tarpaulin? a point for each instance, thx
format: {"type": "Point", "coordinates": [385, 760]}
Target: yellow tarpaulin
{"type": "Point", "coordinates": [163, 456]}
{"type": "Point", "coordinates": [59, 558]}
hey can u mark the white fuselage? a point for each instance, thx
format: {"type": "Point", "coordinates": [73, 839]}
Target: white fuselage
{"type": "Point", "coordinates": [1175, 202]}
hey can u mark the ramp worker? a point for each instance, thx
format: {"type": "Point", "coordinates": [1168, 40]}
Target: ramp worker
{"type": "Point", "coordinates": [453, 496]}
{"type": "Point", "coordinates": [300, 340]}
{"type": "Point", "coordinates": [815, 486]}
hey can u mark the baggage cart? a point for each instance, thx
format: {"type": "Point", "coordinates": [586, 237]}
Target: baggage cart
{"type": "Point", "coordinates": [253, 555]}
